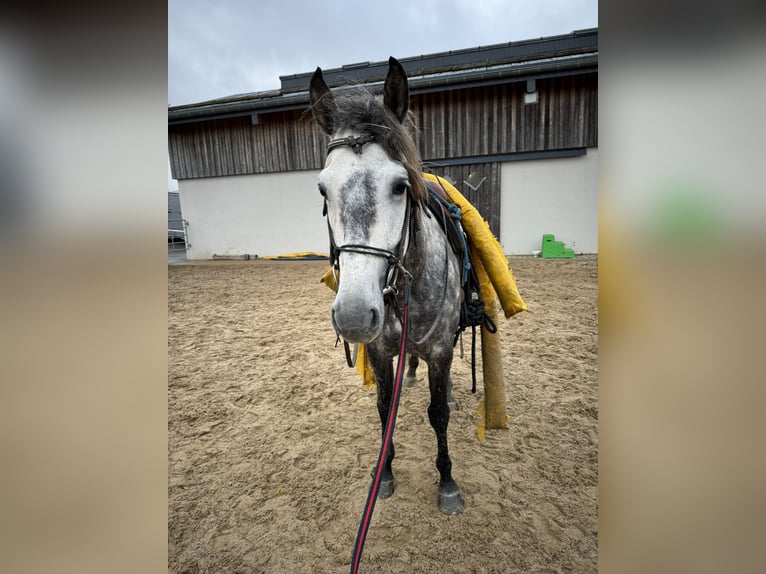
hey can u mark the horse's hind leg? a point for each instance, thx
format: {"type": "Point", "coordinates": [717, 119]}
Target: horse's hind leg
{"type": "Point", "coordinates": [384, 379]}
{"type": "Point", "coordinates": [451, 402]}
{"type": "Point", "coordinates": [450, 499]}
{"type": "Point", "coordinates": [411, 377]}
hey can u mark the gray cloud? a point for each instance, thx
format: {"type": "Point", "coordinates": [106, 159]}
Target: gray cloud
{"type": "Point", "coordinates": [218, 49]}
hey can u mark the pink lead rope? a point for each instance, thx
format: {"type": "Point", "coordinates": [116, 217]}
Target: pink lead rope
{"type": "Point", "coordinates": [388, 435]}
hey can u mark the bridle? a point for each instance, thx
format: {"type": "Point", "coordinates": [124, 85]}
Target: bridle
{"type": "Point", "coordinates": [355, 143]}
{"type": "Point", "coordinates": [394, 259]}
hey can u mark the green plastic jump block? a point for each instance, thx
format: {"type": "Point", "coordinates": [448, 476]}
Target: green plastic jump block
{"type": "Point", "coordinates": [553, 249]}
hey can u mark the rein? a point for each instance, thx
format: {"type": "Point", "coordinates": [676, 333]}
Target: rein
{"type": "Point", "coordinates": [388, 435]}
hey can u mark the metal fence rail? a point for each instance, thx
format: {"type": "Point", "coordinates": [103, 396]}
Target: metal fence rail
{"type": "Point", "coordinates": [178, 230]}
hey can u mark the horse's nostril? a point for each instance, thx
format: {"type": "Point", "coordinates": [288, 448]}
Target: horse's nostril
{"type": "Point", "coordinates": [375, 320]}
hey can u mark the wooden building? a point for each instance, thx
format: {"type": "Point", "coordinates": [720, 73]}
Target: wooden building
{"type": "Point", "coordinates": [515, 126]}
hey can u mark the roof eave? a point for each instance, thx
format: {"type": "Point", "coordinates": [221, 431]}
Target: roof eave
{"type": "Point", "coordinates": [221, 109]}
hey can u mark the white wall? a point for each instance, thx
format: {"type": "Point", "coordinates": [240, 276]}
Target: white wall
{"type": "Point", "coordinates": [557, 196]}
{"type": "Point", "coordinates": [172, 183]}
{"type": "Point", "coordinates": [265, 214]}
{"type": "Point", "coordinates": [276, 213]}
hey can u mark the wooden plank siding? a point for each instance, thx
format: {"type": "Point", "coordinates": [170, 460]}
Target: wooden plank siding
{"type": "Point", "coordinates": [282, 141]}
{"type": "Point", "coordinates": [467, 122]}
{"type": "Point", "coordinates": [487, 198]}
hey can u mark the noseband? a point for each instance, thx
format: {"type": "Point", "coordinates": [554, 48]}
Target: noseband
{"type": "Point", "coordinates": [395, 265]}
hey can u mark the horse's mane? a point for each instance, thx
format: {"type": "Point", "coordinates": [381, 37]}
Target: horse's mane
{"type": "Point", "coordinates": [361, 110]}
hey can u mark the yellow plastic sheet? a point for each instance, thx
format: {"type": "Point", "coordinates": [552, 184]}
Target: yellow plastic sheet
{"type": "Point", "coordinates": [297, 256]}
{"type": "Point", "coordinates": [495, 280]}
{"type": "Point", "coordinates": [492, 410]}
{"type": "Point", "coordinates": [329, 279]}
{"type": "Point", "coordinates": [486, 246]}
{"type": "Point", "coordinates": [364, 368]}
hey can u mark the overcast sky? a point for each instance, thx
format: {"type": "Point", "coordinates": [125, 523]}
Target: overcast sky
{"type": "Point", "coordinates": [221, 48]}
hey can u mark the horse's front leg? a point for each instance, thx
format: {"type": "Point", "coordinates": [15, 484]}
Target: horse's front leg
{"type": "Point", "coordinates": [450, 499]}
{"type": "Point", "coordinates": [384, 380]}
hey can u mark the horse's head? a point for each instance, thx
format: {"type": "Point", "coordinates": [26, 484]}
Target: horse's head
{"type": "Point", "coordinates": [367, 183]}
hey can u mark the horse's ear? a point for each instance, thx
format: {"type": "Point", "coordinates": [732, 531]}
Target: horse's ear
{"type": "Point", "coordinates": [322, 104]}
{"type": "Point", "coordinates": [396, 93]}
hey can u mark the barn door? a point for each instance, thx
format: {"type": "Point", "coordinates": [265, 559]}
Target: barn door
{"type": "Point", "coordinates": [479, 183]}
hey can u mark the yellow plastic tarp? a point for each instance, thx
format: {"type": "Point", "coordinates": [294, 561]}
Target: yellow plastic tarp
{"type": "Point", "coordinates": [492, 409]}
{"type": "Point", "coordinates": [486, 246]}
{"type": "Point", "coordinates": [495, 279]}
{"type": "Point", "coordinates": [297, 256]}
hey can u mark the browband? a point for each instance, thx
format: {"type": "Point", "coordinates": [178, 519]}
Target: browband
{"type": "Point", "coordinates": [355, 143]}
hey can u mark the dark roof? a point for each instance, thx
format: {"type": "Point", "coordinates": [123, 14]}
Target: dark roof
{"type": "Point", "coordinates": [573, 53]}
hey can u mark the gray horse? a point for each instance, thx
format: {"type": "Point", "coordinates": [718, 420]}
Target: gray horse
{"type": "Point", "coordinates": [380, 229]}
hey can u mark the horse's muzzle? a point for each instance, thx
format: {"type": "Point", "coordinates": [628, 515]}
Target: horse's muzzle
{"type": "Point", "coordinates": [357, 321]}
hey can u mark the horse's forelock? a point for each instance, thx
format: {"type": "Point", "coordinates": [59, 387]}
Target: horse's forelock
{"type": "Point", "coordinates": [359, 110]}
{"type": "Point", "coordinates": [400, 145]}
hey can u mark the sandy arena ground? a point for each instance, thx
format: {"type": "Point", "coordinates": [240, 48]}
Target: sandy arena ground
{"type": "Point", "coordinates": [272, 438]}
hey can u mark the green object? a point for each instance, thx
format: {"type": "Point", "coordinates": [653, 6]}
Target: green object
{"type": "Point", "coordinates": [688, 216]}
{"type": "Point", "coordinates": [553, 249]}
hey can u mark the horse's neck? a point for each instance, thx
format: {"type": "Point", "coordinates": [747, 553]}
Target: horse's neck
{"type": "Point", "coordinates": [427, 256]}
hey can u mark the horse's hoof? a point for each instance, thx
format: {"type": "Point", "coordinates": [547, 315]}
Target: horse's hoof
{"type": "Point", "coordinates": [451, 502]}
{"type": "Point", "coordinates": [409, 380]}
{"type": "Point", "coordinates": [386, 489]}
{"type": "Point", "coordinates": [453, 406]}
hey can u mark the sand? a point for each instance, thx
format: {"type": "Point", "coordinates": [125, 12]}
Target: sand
{"type": "Point", "coordinates": [272, 438]}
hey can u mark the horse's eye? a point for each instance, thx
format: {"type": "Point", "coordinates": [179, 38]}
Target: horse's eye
{"type": "Point", "coordinates": [401, 187]}
{"type": "Point", "coordinates": [322, 190]}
